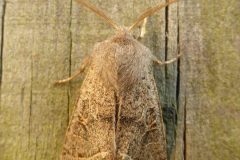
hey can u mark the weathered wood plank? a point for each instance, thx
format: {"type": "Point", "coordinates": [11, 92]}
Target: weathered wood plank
{"type": "Point", "coordinates": [47, 40]}
{"type": "Point", "coordinates": [36, 49]}
{"type": "Point", "coordinates": [209, 80]}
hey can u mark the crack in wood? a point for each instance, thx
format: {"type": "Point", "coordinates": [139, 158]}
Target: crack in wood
{"type": "Point", "coordinates": [70, 60]}
{"type": "Point", "coordinates": [2, 36]}
{"type": "Point", "coordinates": [178, 86]}
{"type": "Point", "coordinates": [178, 62]}
{"type": "Point", "coordinates": [166, 41]}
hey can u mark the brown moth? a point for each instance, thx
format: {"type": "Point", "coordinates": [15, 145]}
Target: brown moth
{"type": "Point", "coordinates": [117, 115]}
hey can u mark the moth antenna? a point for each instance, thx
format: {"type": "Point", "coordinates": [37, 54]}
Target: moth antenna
{"type": "Point", "coordinates": [98, 12]}
{"type": "Point", "coordinates": [150, 12]}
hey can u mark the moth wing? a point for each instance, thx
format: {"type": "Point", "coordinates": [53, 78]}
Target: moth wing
{"type": "Point", "coordinates": [141, 133]}
{"type": "Point", "coordinates": [90, 132]}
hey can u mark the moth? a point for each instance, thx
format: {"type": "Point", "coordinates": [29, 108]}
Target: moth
{"type": "Point", "coordinates": [118, 115]}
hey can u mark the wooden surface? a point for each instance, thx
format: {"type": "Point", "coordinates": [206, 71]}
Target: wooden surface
{"type": "Point", "coordinates": [209, 78]}
{"type": "Point", "coordinates": [42, 41]}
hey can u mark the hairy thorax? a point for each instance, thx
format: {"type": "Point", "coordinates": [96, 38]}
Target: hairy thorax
{"type": "Point", "coordinates": [121, 61]}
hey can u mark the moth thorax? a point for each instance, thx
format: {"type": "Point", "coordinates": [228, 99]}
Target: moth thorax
{"type": "Point", "coordinates": [123, 64]}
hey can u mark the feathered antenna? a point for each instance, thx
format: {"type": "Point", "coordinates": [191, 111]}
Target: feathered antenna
{"type": "Point", "coordinates": [150, 12]}
{"type": "Point", "coordinates": [98, 12]}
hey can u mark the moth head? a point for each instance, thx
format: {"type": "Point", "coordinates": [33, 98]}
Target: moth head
{"type": "Point", "coordinates": [114, 25]}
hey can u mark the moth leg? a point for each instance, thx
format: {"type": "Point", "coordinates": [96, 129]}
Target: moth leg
{"type": "Point", "coordinates": [143, 29]}
{"type": "Point", "coordinates": [83, 66]}
{"type": "Point", "coordinates": [156, 60]}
